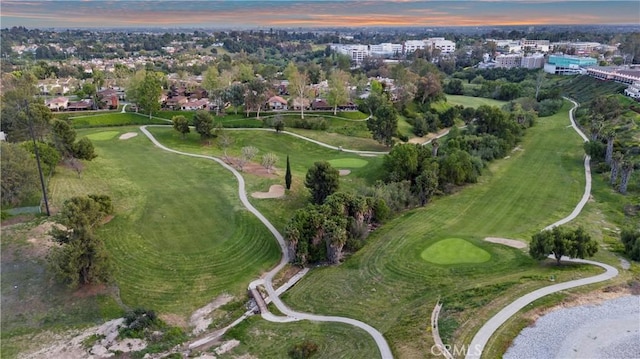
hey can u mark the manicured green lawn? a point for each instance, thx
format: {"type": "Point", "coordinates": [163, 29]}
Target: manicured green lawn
{"type": "Point", "coordinates": [180, 236]}
{"type": "Point", "coordinates": [348, 162]}
{"type": "Point", "coordinates": [454, 251]}
{"type": "Point", "coordinates": [470, 101]}
{"type": "Point", "coordinates": [274, 340]}
{"type": "Point", "coordinates": [113, 119]}
{"type": "Point", "coordinates": [103, 136]}
{"type": "Point", "coordinates": [389, 285]}
{"type": "Point", "coordinates": [302, 155]}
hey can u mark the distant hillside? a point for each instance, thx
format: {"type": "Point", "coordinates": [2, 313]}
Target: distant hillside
{"type": "Point", "coordinates": [585, 88]}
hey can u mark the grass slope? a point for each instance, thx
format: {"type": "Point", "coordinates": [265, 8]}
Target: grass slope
{"type": "Point", "coordinates": [180, 236]}
{"type": "Point", "coordinates": [585, 88]}
{"type": "Point", "coordinates": [113, 119]}
{"type": "Point", "coordinates": [475, 102]}
{"type": "Point", "coordinates": [391, 287]}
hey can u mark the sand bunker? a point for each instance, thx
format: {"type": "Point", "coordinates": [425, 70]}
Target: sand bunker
{"type": "Point", "coordinates": [507, 242]}
{"type": "Point", "coordinates": [275, 191]}
{"type": "Point", "coordinates": [344, 172]}
{"type": "Point", "coordinates": [128, 135]}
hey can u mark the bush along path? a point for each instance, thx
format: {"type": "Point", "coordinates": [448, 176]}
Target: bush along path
{"type": "Point", "coordinates": [267, 280]}
{"type": "Point", "coordinates": [479, 341]}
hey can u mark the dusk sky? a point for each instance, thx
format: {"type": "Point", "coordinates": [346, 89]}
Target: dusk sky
{"type": "Point", "coordinates": [289, 13]}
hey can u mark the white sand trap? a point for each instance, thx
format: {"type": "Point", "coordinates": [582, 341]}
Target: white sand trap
{"type": "Point", "coordinates": [128, 135]}
{"type": "Point", "coordinates": [507, 242]}
{"type": "Point", "coordinates": [344, 172]}
{"type": "Point", "coordinates": [275, 191]}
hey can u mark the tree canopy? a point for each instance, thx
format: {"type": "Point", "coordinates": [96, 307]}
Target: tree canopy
{"type": "Point", "coordinates": [561, 241]}
{"type": "Point", "coordinates": [322, 180]}
{"type": "Point", "coordinates": [80, 257]}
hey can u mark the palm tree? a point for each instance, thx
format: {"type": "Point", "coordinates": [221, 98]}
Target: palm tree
{"type": "Point", "coordinates": [615, 167]}
{"type": "Point", "coordinates": [627, 169]}
{"type": "Point", "coordinates": [610, 135]}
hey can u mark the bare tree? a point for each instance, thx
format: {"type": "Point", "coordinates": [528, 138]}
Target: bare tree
{"type": "Point", "coordinates": [224, 142]}
{"type": "Point", "coordinates": [247, 154]}
{"type": "Point", "coordinates": [269, 160]}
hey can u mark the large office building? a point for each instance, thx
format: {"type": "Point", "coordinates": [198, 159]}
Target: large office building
{"type": "Point", "coordinates": [508, 61]}
{"type": "Point", "coordinates": [568, 65]}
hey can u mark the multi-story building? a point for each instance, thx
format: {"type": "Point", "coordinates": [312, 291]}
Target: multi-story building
{"type": "Point", "coordinates": [623, 75]}
{"type": "Point", "coordinates": [568, 65]}
{"type": "Point", "coordinates": [534, 61]}
{"type": "Point", "coordinates": [633, 90]}
{"type": "Point", "coordinates": [508, 61]}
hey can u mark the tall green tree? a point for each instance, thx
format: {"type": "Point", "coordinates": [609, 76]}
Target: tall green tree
{"type": "Point", "coordinates": [63, 137]}
{"type": "Point", "coordinates": [338, 90]}
{"type": "Point", "coordinates": [322, 180]}
{"type": "Point", "coordinates": [21, 111]}
{"type": "Point", "coordinates": [287, 176]}
{"type": "Point", "coordinates": [384, 124]}
{"type": "Point", "coordinates": [256, 96]}
{"type": "Point", "coordinates": [181, 124]}
{"type": "Point", "coordinates": [84, 150]}
{"type": "Point", "coordinates": [80, 257]}
{"type": "Point", "coordinates": [212, 82]}
{"type": "Point", "coordinates": [297, 85]}
{"type": "Point", "coordinates": [49, 155]}
{"type": "Point", "coordinates": [203, 122]}
{"type": "Point", "coordinates": [19, 178]}
{"type": "Point", "coordinates": [145, 89]}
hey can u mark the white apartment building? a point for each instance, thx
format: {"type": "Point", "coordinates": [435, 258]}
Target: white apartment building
{"type": "Point", "coordinates": [445, 46]}
{"type": "Point", "coordinates": [357, 53]}
{"type": "Point", "coordinates": [386, 48]}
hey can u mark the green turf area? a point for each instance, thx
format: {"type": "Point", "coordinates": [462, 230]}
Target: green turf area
{"type": "Point", "coordinates": [389, 285]}
{"type": "Point", "coordinates": [273, 340]}
{"type": "Point", "coordinates": [475, 102]}
{"type": "Point", "coordinates": [103, 136]}
{"type": "Point", "coordinates": [348, 162]}
{"type": "Point", "coordinates": [113, 119]}
{"type": "Point", "coordinates": [180, 236]}
{"type": "Point", "coordinates": [454, 251]}
{"type": "Point", "coordinates": [302, 155]}
{"type": "Point", "coordinates": [337, 139]}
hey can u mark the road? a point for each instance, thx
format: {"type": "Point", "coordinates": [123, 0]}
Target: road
{"type": "Point", "coordinates": [479, 341]}
{"type": "Point", "coordinates": [267, 280]}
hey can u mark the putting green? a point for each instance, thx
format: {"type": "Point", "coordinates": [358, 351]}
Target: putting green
{"type": "Point", "coordinates": [454, 251]}
{"type": "Point", "coordinates": [103, 136]}
{"type": "Point", "coordinates": [348, 162]}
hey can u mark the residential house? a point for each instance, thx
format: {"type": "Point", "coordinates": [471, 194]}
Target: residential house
{"type": "Point", "coordinates": [57, 104]}
{"type": "Point", "coordinates": [80, 105]}
{"type": "Point", "coordinates": [277, 103]}
{"type": "Point", "coordinates": [108, 99]}
{"type": "Point", "coordinates": [297, 103]}
{"type": "Point", "coordinates": [201, 104]}
{"type": "Point", "coordinates": [175, 102]}
{"type": "Point", "coordinates": [320, 105]}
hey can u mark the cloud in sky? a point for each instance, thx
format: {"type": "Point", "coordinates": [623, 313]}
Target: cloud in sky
{"type": "Point", "coordinates": [294, 13]}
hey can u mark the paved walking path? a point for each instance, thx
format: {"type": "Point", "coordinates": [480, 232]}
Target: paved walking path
{"type": "Point", "coordinates": [482, 336]}
{"type": "Point", "coordinates": [267, 280]}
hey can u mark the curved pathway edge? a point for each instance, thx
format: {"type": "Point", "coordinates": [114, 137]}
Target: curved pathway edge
{"type": "Point", "coordinates": [479, 341]}
{"type": "Point", "coordinates": [267, 280]}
